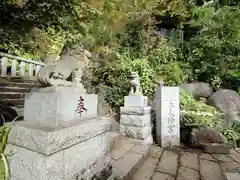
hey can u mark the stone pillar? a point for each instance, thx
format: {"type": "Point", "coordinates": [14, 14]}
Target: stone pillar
{"type": "Point", "coordinates": [167, 116]}
{"type": "Point", "coordinates": [135, 119]}
{"type": "Point", "coordinates": [61, 138]}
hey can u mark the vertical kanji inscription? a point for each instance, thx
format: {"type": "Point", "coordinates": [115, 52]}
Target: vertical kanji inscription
{"type": "Point", "coordinates": [80, 106]}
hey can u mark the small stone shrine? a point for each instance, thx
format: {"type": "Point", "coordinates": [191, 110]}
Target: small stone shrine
{"type": "Point", "coordinates": [61, 137]}
{"type": "Point", "coordinates": [167, 116]}
{"type": "Point", "coordinates": [135, 119]}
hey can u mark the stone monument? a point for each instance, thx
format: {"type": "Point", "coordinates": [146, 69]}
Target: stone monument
{"type": "Point", "coordinates": [61, 137]}
{"type": "Point", "coordinates": [167, 116]}
{"type": "Point", "coordinates": [135, 118]}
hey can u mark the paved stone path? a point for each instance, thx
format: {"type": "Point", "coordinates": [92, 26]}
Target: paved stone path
{"type": "Point", "coordinates": [187, 164]}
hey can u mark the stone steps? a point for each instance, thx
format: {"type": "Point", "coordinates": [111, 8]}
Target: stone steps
{"type": "Point", "coordinates": [15, 102]}
{"type": "Point", "coordinates": [13, 90]}
{"type": "Point", "coordinates": [18, 84]}
{"type": "Point", "coordinates": [12, 95]}
{"type": "Point", "coordinates": [127, 156]}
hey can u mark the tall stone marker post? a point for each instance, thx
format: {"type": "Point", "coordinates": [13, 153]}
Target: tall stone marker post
{"type": "Point", "coordinates": [167, 116]}
{"type": "Point", "coordinates": [135, 120]}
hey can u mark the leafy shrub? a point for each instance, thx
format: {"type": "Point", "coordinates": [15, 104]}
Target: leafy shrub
{"type": "Point", "coordinates": [4, 171]}
{"type": "Point", "coordinates": [188, 103]}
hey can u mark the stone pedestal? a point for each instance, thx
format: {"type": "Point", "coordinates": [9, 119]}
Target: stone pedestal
{"type": "Point", "coordinates": [58, 139]}
{"type": "Point", "coordinates": [53, 106]}
{"type": "Point", "coordinates": [167, 116]}
{"type": "Point", "coordinates": [135, 120]}
{"type": "Point", "coordinates": [135, 101]}
{"type": "Point", "coordinates": [77, 151]}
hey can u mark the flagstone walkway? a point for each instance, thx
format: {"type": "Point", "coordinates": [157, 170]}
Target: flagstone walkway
{"type": "Point", "coordinates": [188, 164]}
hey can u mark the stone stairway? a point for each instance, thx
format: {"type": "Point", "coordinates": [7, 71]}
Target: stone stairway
{"type": "Point", "coordinates": [127, 156]}
{"type": "Point", "coordinates": [13, 91]}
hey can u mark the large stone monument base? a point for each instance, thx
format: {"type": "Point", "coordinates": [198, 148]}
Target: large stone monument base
{"type": "Point", "coordinates": [53, 106]}
{"type": "Point", "coordinates": [76, 151]}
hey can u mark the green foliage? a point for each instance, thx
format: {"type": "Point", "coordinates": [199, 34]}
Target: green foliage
{"type": "Point", "coordinates": [232, 136]}
{"type": "Point", "coordinates": [4, 171]}
{"type": "Point", "coordinates": [188, 103]}
{"type": "Point", "coordinates": [122, 34]}
{"type": "Point", "coordinates": [193, 109]}
{"type": "Point", "coordinates": [214, 53]}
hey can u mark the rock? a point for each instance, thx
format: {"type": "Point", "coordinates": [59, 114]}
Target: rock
{"type": "Point", "coordinates": [205, 134]}
{"type": "Point", "coordinates": [103, 107]}
{"type": "Point", "coordinates": [7, 114]}
{"type": "Point", "coordinates": [225, 100]}
{"type": "Point", "coordinates": [198, 89]}
{"type": "Point", "coordinates": [215, 148]}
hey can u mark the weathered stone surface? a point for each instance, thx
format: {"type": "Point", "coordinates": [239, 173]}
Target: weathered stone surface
{"type": "Point", "coordinates": [189, 160]}
{"type": "Point", "coordinates": [222, 157]}
{"type": "Point", "coordinates": [232, 176]}
{"type": "Point", "coordinates": [210, 170]}
{"type": "Point", "coordinates": [205, 134]}
{"type": "Point", "coordinates": [168, 163]}
{"type": "Point", "coordinates": [136, 132]}
{"type": "Point", "coordinates": [215, 148]}
{"type": "Point", "coordinates": [235, 155]}
{"type": "Point", "coordinates": [156, 151]}
{"type": "Point", "coordinates": [50, 140]}
{"type": "Point", "coordinates": [161, 176]}
{"type": "Point", "coordinates": [103, 106]}
{"type": "Point", "coordinates": [101, 169]}
{"type": "Point", "coordinates": [135, 110]}
{"type": "Point", "coordinates": [145, 172]}
{"type": "Point", "coordinates": [206, 157]}
{"type": "Point", "coordinates": [187, 174]}
{"type": "Point", "coordinates": [147, 141]}
{"type": "Point", "coordinates": [135, 101]}
{"type": "Point", "coordinates": [198, 89]}
{"type": "Point", "coordinates": [120, 151]}
{"type": "Point", "coordinates": [122, 167]}
{"type": "Point", "coordinates": [225, 100]}
{"type": "Point", "coordinates": [167, 116]}
{"type": "Point", "coordinates": [52, 108]}
{"type": "Point", "coordinates": [136, 120]}
{"type": "Point", "coordinates": [141, 149]}
{"type": "Point", "coordinates": [63, 165]}
{"type": "Point", "coordinates": [230, 167]}
{"type": "Point", "coordinates": [67, 70]}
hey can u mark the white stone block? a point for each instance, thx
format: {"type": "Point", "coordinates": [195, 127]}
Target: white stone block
{"type": "Point", "coordinates": [132, 101]}
{"type": "Point", "coordinates": [136, 120]}
{"type": "Point", "coordinates": [51, 140]}
{"type": "Point", "coordinates": [54, 106]}
{"type": "Point", "coordinates": [167, 116]}
{"type": "Point", "coordinates": [63, 165]}
{"type": "Point", "coordinates": [136, 132]}
{"type": "Point", "coordinates": [135, 110]}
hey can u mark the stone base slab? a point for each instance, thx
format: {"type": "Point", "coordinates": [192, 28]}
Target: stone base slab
{"type": "Point", "coordinates": [215, 148]}
{"type": "Point", "coordinates": [63, 165]}
{"type": "Point", "coordinates": [135, 101]}
{"type": "Point", "coordinates": [232, 176]}
{"type": "Point", "coordinates": [101, 169]}
{"type": "Point", "coordinates": [135, 110]}
{"type": "Point", "coordinates": [136, 132]}
{"type": "Point", "coordinates": [147, 141]}
{"type": "Point", "coordinates": [50, 140]}
{"type": "Point", "coordinates": [58, 105]}
{"type": "Point", "coordinates": [136, 120]}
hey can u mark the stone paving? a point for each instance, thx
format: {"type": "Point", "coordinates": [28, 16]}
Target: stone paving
{"type": "Point", "coordinates": [188, 164]}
